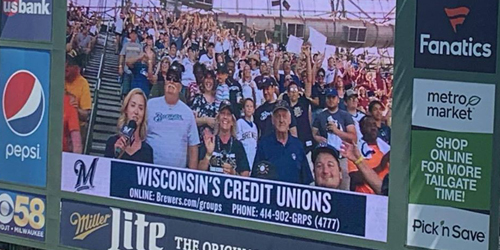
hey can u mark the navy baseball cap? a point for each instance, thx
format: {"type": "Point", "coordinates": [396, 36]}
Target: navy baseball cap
{"type": "Point", "coordinates": [331, 92]}
{"type": "Point", "coordinates": [222, 68]}
{"type": "Point", "coordinates": [74, 58]}
{"type": "Point", "coordinates": [225, 104]}
{"type": "Point", "coordinates": [325, 148]}
{"type": "Point", "coordinates": [174, 73]}
{"type": "Point", "coordinates": [281, 104]}
{"type": "Point", "coordinates": [266, 82]}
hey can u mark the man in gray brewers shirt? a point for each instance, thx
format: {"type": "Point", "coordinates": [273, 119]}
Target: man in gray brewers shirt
{"type": "Point", "coordinates": [172, 131]}
{"type": "Point", "coordinates": [333, 126]}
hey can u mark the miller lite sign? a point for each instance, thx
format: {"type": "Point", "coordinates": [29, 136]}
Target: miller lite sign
{"type": "Point", "coordinates": [111, 228]}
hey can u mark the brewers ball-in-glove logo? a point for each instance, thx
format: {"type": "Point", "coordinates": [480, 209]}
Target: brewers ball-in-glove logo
{"type": "Point", "coordinates": [456, 35]}
{"type": "Point", "coordinates": [263, 168]}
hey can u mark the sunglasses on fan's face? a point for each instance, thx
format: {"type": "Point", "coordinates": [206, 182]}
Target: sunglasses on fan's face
{"type": "Point", "coordinates": [173, 78]}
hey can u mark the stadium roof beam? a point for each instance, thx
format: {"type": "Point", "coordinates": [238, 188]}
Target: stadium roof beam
{"type": "Point", "coordinates": [362, 11]}
{"type": "Point", "coordinates": [198, 4]}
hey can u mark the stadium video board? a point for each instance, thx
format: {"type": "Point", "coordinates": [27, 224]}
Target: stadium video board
{"type": "Point", "coordinates": [187, 109]}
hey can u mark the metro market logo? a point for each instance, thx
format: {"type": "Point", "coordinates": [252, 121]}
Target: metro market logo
{"type": "Point", "coordinates": [13, 7]}
{"type": "Point", "coordinates": [461, 105]}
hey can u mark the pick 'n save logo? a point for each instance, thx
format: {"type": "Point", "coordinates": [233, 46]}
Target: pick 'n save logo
{"type": "Point", "coordinates": [456, 35]}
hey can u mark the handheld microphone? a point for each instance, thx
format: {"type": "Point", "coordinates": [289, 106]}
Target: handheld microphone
{"type": "Point", "coordinates": [127, 132]}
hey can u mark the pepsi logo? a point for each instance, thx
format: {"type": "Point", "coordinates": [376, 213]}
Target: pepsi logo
{"type": "Point", "coordinates": [23, 103]}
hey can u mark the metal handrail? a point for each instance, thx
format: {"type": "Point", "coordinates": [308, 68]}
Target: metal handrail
{"type": "Point", "coordinates": [93, 112]}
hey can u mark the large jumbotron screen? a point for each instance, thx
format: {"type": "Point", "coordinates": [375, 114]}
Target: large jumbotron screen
{"type": "Point", "coordinates": [275, 112]}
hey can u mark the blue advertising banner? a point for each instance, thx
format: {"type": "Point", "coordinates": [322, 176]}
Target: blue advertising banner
{"type": "Point", "coordinates": [24, 82]}
{"type": "Point", "coordinates": [28, 20]}
{"type": "Point", "coordinates": [281, 203]}
{"type": "Point", "coordinates": [98, 227]}
{"type": "Point", "coordinates": [456, 35]}
{"type": "Point", "coordinates": [298, 206]}
{"type": "Point", "coordinates": [22, 215]}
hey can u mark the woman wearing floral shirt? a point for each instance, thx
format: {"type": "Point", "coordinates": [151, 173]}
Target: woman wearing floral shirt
{"type": "Point", "coordinates": [204, 105]}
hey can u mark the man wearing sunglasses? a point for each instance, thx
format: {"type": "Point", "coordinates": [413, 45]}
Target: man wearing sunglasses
{"type": "Point", "coordinates": [301, 109]}
{"type": "Point", "coordinates": [172, 131]}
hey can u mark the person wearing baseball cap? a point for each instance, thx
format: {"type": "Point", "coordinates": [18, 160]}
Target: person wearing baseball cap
{"type": "Point", "coordinates": [131, 48]}
{"type": "Point", "coordinates": [222, 92]}
{"type": "Point", "coordinates": [318, 93]}
{"type": "Point", "coordinates": [221, 152]}
{"type": "Point", "coordinates": [262, 116]}
{"type": "Point", "coordinates": [351, 101]}
{"type": "Point", "coordinates": [282, 151]}
{"type": "Point", "coordinates": [332, 126]}
{"type": "Point", "coordinates": [76, 85]}
{"type": "Point", "coordinates": [171, 120]}
{"type": "Point", "coordinates": [327, 171]}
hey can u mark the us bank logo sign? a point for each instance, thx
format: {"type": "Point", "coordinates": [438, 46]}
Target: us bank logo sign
{"type": "Point", "coordinates": [24, 95]}
{"type": "Point", "coordinates": [456, 35]}
{"type": "Point", "coordinates": [29, 20]}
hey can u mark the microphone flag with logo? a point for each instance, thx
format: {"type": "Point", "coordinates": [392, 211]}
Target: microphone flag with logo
{"type": "Point", "coordinates": [128, 132]}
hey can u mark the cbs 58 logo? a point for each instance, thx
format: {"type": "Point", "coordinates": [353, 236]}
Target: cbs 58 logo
{"type": "Point", "coordinates": [23, 211]}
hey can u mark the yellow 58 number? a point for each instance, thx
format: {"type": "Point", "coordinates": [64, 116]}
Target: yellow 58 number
{"type": "Point", "coordinates": [34, 215]}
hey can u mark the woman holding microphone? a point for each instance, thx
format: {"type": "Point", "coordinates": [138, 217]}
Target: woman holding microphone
{"type": "Point", "coordinates": [129, 143]}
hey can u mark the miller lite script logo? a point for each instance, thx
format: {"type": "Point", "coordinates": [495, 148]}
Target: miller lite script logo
{"type": "Point", "coordinates": [128, 230]}
{"type": "Point", "coordinates": [85, 175]}
{"type": "Point", "coordinates": [88, 223]}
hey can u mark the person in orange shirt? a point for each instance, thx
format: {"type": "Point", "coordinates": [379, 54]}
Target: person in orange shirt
{"type": "Point", "coordinates": [76, 85]}
{"type": "Point", "coordinates": [369, 160]}
{"type": "Point", "coordinates": [72, 140]}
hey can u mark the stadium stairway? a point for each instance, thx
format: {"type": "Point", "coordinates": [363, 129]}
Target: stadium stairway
{"type": "Point", "coordinates": [102, 74]}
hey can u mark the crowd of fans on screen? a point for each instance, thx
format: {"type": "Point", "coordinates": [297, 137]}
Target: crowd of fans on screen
{"type": "Point", "coordinates": [216, 99]}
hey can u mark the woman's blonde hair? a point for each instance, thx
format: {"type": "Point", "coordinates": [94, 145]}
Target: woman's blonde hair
{"type": "Point", "coordinates": [123, 116]}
